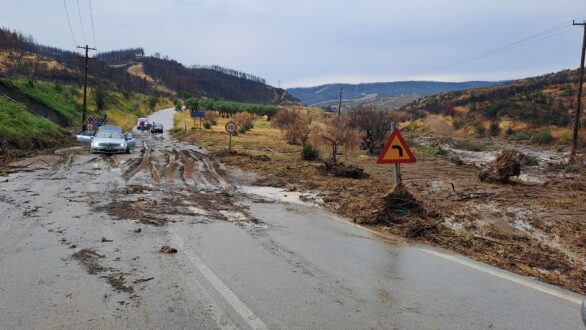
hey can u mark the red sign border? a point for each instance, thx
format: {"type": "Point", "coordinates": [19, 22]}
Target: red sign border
{"type": "Point", "coordinates": [226, 127]}
{"type": "Point", "coordinates": [394, 134]}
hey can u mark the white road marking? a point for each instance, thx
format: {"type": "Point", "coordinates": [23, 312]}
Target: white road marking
{"type": "Point", "coordinates": [508, 276]}
{"type": "Point", "coordinates": [247, 314]}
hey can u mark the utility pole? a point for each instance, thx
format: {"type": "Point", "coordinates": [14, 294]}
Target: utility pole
{"type": "Point", "coordinates": [340, 104]}
{"type": "Point", "coordinates": [579, 98]}
{"type": "Point", "coordinates": [84, 113]}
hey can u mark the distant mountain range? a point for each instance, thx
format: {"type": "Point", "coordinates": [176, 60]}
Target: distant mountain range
{"type": "Point", "coordinates": [328, 95]}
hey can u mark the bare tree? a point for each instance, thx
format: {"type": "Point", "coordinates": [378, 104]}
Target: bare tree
{"type": "Point", "coordinates": [373, 124]}
{"type": "Point", "coordinates": [334, 133]}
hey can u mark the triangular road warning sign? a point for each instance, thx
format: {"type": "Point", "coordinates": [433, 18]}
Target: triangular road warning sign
{"type": "Point", "coordinates": [396, 150]}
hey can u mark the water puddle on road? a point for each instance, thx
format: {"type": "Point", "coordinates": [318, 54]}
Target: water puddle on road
{"type": "Point", "coordinates": [282, 195]}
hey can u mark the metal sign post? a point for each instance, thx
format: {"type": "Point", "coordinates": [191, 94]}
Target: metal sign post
{"type": "Point", "coordinates": [396, 151]}
{"type": "Point", "coordinates": [231, 129]}
{"type": "Point", "coordinates": [398, 181]}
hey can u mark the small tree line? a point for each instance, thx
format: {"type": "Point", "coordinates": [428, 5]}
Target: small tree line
{"type": "Point", "coordinates": [367, 129]}
{"type": "Point", "coordinates": [229, 108]}
{"type": "Point", "coordinates": [232, 72]}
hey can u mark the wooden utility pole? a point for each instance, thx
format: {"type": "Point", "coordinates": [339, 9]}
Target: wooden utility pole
{"type": "Point", "coordinates": [340, 104]}
{"type": "Point", "coordinates": [84, 113]}
{"type": "Point", "coordinates": [578, 99]}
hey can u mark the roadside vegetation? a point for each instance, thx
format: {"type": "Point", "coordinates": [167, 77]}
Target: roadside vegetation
{"type": "Point", "coordinates": [22, 132]}
{"type": "Point", "coordinates": [53, 95]}
{"type": "Point", "coordinates": [291, 151]}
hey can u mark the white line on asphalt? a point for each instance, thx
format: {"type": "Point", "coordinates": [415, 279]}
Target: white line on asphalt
{"type": "Point", "coordinates": [247, 314]}
{"type": "Point", "coordinates": [508, 276]}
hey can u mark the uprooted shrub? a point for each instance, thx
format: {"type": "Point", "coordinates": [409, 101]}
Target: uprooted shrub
{"type": "Point", "coordinates": [406, 214]}
{"type": "Point", "coordinates": [506, 165]}
{"type": "Point", "coordinates": [340, 170]}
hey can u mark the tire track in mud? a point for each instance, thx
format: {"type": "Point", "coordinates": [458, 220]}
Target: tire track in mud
{"type": "Point", "coordinates": [168, 172]}
{"type": "Point", "coordinates": [188, 166]}
{"type": "Point", "coordinates": [135, 165]}
{"type": "Point", "coordinates": [201, 177]}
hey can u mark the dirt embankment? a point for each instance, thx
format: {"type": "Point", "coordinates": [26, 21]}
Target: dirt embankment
{"type": "Point", "coordinates": [530, 228]}
{"type": "Point", "coordinates": [14, 148]}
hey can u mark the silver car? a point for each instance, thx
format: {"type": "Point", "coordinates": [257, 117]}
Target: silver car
{"type": "Point", "coordinates": [112, 143]}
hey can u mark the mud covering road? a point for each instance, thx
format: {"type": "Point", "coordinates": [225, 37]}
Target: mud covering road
{"type": "Point", "coordinates": [86, 242]}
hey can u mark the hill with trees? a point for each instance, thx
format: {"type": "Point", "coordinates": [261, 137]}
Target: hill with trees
{"type": "Point", "coordinates": [539, 101]}
{"type": "Point", "coordinates": [326, 94]}
{"type": "Point", "coordinates": [21, 56]}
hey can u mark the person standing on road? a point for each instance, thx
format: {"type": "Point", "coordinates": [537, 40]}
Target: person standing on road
{"type": "Point", "coordinates": [141, 125]}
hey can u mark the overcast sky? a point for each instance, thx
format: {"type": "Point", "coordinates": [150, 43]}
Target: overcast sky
{"type": "Point", "coordinates": [310, 42]}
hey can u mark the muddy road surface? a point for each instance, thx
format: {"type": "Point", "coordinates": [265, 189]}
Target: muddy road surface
{"type": "Point", "coordinates": [168, 238]}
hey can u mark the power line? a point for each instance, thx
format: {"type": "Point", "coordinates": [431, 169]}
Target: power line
{"type": "Point", "coordinates": [548, 33]}
{"type": "Point", "coordinates": [92, 20]}
{"type": "Point", "coordinates": [81, 22]}
{"type": "Point", "coordinates": [69, 23]}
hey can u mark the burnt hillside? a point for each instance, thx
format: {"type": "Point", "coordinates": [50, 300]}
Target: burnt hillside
{"type": "Point", "coordinates": [538, 101]}
{"type": "Point", "coordinates": [21, 56]}
{"type": "Point", "coordinates": [212, 83]}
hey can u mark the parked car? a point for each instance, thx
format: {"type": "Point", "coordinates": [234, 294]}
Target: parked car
{"type": "Point", "coordinates": [112, 143]}
{"type": "Point", "coordinates": [142, 124]}
{"type": "Point", "coordinates": [85, 138]}
{"type": "Point", "coordinates": [157, 128]}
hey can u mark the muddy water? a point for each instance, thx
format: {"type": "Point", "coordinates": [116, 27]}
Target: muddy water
{"type": "Point", "coordinates": [248, 257]}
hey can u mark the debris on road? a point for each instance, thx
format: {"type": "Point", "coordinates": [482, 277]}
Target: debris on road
{"type": "Point", "coordinates": [89, 259]}
{"type": "Point", "coordinates": [142, 280]}
{"type": "Point", "coordinates": [118, 282]}
{"type": "Point", "coordinates": [340, 170]}
{"type": "Point", "coordinates": [506, 165]}
{"type": "Point", "coordinates": [137, 230]}
{"type": "Point", "coordinates": [104, 240]}
{"type": "Point", "coordinates": [168, 250]}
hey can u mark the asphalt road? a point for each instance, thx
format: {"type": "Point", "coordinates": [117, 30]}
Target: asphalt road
{"type": "Point", "coordinates": [80, 240]}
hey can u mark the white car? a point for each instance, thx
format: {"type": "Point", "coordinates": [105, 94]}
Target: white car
{"type": "Point", "coordinates": [112, 143]}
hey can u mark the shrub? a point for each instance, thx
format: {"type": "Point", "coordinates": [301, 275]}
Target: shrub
{"type": "Point", "coordinates": [494, 128]}
{"type": "Point", "coordinates": [542, 137]}
{"type": "Point", "coordinates": [522, 136]}
{"type": "Point", "coordinates": [479, 129]}
{"type": "Point", "coordinates": [243, 117]}
{"type": "Point", "coordinates": [245, 127]}
{"type": "Point", "coordinates": [298, 131]}
{"type": "Point", "coordinates": [309, 153]}
{"type": "Point", "coordinates": [509, 131]}
{"type": "Point", "coordinates": [211, 117]}
{"type": "Point", "coordinates": [458, 123]}
{"type": "Point", "coordinates": [207, 125]}
{"type": "Point", "coordinates": [470, 145]}
{"type": "Point", "coordinates": [285, 117]}
{"type": "Point", "coordinates": [573, 168]}
{"type": "Point", "coordinates": [565, 139]}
